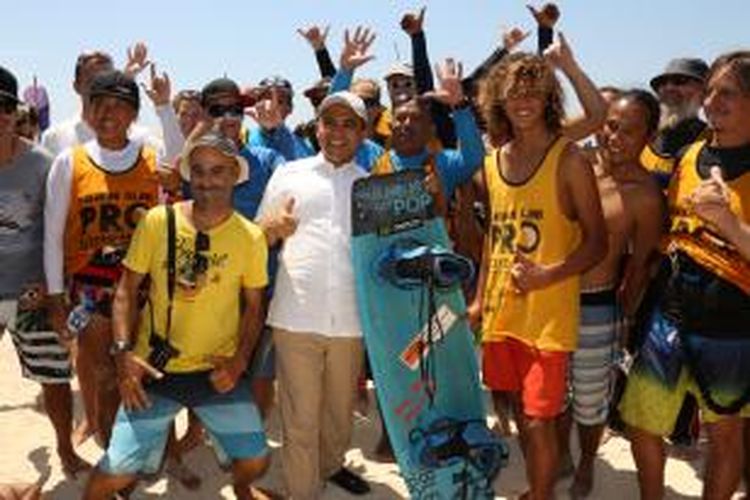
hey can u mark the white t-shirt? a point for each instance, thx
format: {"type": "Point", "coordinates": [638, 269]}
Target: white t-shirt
{"type": "Point", "coordinates": [314, 290]}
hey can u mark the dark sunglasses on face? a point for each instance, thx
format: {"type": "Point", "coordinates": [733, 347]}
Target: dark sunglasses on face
{"type": "Point", "coordinates": [8, 106]}
{"type": "Point", "coordinates": [677, 80]}
{"type": "Point", "coordinates": [371, 102]}
{"type": "Point", "coordinates": [220, 110]}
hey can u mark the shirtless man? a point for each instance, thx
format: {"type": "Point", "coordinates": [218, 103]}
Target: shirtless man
{"type": "Point", "coordinates": [633, 212]}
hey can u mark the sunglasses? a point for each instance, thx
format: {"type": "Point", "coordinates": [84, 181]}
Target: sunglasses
{"type": "Point", "coordinates": [371, 102]}
{"type": "Point", "coordinates": [220, 111]}
{"type": "Point", "coordinates": [8, 106]}
{"type": "Point", "coordinates": [677, 80]}
{"type": "Point", "coordinates": [200, 261]}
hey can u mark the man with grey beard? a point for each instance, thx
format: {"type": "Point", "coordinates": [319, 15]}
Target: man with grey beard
{"type": "Point", "coordinates": [680, 92]}
{"type": "Point", "coordinates": [680, 89]}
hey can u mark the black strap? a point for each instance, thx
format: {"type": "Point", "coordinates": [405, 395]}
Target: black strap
{"type": "Point", "coordinates": [171, 264]}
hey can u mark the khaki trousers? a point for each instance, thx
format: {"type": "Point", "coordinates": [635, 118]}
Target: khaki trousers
{"type": "Point", "coordinates": [317, 378]}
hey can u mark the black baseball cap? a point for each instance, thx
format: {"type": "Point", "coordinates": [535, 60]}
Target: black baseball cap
{"type": "Point", "coordinates": [115, 84]}
{"type": "Point", "coordinates": [218, 87]}
{"type": "Point", "coordinates": [8, 85]}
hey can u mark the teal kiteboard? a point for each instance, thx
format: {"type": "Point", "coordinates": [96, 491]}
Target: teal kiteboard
{"type": "Point", "coordinates": [425, 372]}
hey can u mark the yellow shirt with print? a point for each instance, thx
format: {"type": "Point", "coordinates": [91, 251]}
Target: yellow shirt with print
{"type": "Point", "coordinates": [206, 305]}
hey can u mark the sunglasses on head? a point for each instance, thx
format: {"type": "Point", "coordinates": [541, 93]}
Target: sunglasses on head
{"type": "Point", "coordinates": [200, 261]}
{"type": "Point", "coordinates": [221, 110]}
{"type": "Point", "coordinates": [8, 106]}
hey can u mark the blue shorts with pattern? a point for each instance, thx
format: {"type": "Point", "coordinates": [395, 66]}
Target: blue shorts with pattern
{"type": "Point", "coordinates": [231, 420]}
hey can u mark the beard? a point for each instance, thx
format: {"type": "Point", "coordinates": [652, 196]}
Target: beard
{"type": "Point", "coordinates": [671, 115]}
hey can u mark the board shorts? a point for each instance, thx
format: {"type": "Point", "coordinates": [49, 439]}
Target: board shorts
{"type": "Point", "coordinates": [654, 395]}
{"type": "Point", "coordinates": [231, 420]}
{"type": "Point", "coordinates": [591, 365]}
{"type": "Point", "coordinates": [42, 356]}
{"type": "Point", "coordinates": [539, 376]}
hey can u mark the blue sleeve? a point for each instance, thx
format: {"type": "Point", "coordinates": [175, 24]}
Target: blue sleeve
{"type": "Point", "coordinates": [457, 166]}
{"type": "Point", "coordinates": [281, 140]}
{"type": "Point", "coordinates": [342, 80]}
{"type": "Point", "coordinates": [368, 153]}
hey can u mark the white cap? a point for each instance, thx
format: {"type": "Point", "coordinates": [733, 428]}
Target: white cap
{"type": "Point", "coordinates": [345, 98]}
{"type": "Point", "coordinates": [400, 68]}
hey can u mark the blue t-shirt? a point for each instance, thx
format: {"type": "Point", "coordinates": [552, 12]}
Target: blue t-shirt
{"type": "Point", "coordinates": [454, 166]}
{"type": "Point", "coordinates": [281, 140]}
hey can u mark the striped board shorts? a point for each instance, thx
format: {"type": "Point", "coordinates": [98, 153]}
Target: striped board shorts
{"type": "Point", "coordinates": [591, 368]}
{"type": "Point", "coordinates": [42, 357]}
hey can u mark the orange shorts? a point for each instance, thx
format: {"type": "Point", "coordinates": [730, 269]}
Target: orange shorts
{"type": "Point", "coordinates": [539, 376]}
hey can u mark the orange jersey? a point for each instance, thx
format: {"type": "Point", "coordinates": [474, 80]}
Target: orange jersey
{"type": "Point", "coordinates": [105, 207]}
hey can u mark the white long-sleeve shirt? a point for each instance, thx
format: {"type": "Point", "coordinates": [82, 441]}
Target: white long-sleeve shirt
{"type": "Point", "coordinates": [57, 201]}
{"type": "Point", "coordinates": [315, 290]}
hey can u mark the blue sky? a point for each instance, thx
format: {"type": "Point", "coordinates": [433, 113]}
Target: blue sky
{"type": "Point", "coordinates": [622, 43]}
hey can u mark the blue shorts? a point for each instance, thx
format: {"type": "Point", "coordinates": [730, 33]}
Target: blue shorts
{"type": "Point", "coordinates": [231, 420]}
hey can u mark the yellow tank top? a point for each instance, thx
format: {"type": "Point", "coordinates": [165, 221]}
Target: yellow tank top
{"type": "Point", "coordinates": [104, 207]}
{"type": "Point", "coordinates": [695, 237]}
{"type": "Point", "coordinates": [656, 163]}
{"type": "Point", "coordinates": [527, 218]}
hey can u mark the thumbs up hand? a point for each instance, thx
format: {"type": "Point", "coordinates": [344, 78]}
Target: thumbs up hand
{"type": "Point", "coordinates": [710, 201]}
{"type": "Point", "coordinates": [282, 224]}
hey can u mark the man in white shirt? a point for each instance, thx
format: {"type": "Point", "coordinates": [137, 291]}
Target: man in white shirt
{"type": "Point", "coordinates": [77, 130]}
{"type": "Point", "coordinates": [314, 314]}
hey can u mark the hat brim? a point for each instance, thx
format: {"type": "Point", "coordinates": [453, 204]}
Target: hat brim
{"type": "Point", "coordinates": [243, 176]}
{"type": "Point", "coordinates": [657, 81]}
{"type": "Point", "coordinates": [8, 95]}
{"type": "Point", "coordinates": [123, 97]}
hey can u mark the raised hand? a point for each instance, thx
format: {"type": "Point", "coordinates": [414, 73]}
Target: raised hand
{"type": "Point", "coordinates": [137, 59]}
{"type": "Point", "coordinates": [412, 23]}
{"type": "Point", "coordinates": [450, 91]}
{"type": "Point", "coordinates": [513, 37]}
{"type": "Point", "coordinates": [267, 112]}
{"type": "Point", "coordinates": [547, 17]}
{"type": "Point", "coordinates": [559, 54]}
{"type": "Point", "coordinates": [160, 88]}
{"type": "Point", "coordinates": [315, 36]}
{"type": "Point", "coordinates": [355, 50]}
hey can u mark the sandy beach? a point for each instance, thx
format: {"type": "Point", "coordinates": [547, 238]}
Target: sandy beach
{"type": "Point", "coordinates": [27, 454]}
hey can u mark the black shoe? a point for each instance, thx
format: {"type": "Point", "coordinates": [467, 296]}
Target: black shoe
{"type": "Point", "coordinates": [349, 481]}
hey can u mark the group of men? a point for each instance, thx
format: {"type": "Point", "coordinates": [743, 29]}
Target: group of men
{"type": "Point", "coordinates": [205, 268]}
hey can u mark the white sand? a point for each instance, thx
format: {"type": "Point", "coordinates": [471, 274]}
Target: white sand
{"type": "Point", "coordinates": [27, 452]}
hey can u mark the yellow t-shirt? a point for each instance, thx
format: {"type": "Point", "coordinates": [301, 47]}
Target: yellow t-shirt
{"type": "Point", "coordinates": [206, 305]}
{"type": "Point", "coordinates": [527, 218]}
